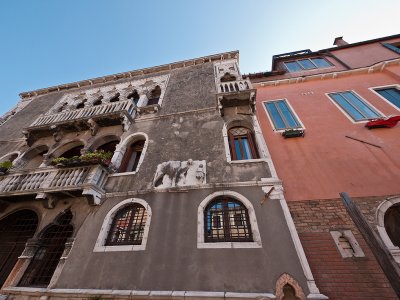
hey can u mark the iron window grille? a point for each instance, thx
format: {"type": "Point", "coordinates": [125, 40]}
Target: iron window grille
{"type": "Point", "coordinates": [128, 226]}
{"type": "Point", "coordinates": [227, 220]}
{"type": "Point", "coordinates": [241, 144]}
{"type": "Point", "coordinates": [15, 230]}
{"type": "Point", "coordinates": [47, 256]}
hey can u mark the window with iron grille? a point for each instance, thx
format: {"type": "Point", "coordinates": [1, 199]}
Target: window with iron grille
{"type": "Point", "coordinates": [241, 144]}
{"type": "Point", "coordinates": [47, 256]}
{"type": "Point", "coordinates": [128, 226]}
{"type": "Point", "coordinates": [15, 230]}
{"type": "Point", "coordinates": [227, 220]}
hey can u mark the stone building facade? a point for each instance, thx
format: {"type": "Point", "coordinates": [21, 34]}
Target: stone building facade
{"type": "Point", "coordinates": [187, 204]}
{"type": "Point", "coordinates": [329, 119]}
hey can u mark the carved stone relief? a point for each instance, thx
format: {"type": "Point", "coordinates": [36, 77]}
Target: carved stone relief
{"type": "Point", "coordinates": [180, 173]}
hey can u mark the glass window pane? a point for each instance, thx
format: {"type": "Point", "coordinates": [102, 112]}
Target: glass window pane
{"type": "Point", "coordinates": [392, 95]}
{"type": "Point", "coordinates": [347, 107]}
{"type": "Point", "coordinates": [275, 116]}
{"type": "Point", "coordinates": [293, 66]}
{"type": "Point", "coordinates": [367, 111]}
{"type": "Point", "coordinates": [320, 62]}
{"type": "Point", "coordinates": [306, 64]}
{"type": "Point", "coordinates": [289, 117]}
{"type": "Point", "coordinates": [246, 147]}
{"type": "Point", "coordinates": [237, 149]}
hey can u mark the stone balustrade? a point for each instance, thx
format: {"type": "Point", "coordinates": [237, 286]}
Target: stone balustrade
{"type": "Point", "coordinates": [89, 179]}
{"type": "Point", "coordinates": [234, 86]}
{"type": "Point", "coordinates": [85, 113]}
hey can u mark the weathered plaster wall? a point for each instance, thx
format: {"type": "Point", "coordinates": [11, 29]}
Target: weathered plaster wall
{"type": "Point", "coordinates": [172, 261]}
{"type": "Point", "coordinates": [325, 162]}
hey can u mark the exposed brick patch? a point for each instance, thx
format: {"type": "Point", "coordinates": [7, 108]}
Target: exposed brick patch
{"type": "Point", "coordinates": [337, 277]}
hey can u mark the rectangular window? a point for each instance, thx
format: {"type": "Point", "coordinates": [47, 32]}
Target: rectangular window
{"type": "Point", "coordinates": [390, 94]}
{"type": "Point", "coordinates": [354, 106]}
{"type": "Point", "coordinates": [394, 47]}
{"type": "Point", "coordinates": [281, 115]}
{"type": "Point", "coordinates": [307, 64]}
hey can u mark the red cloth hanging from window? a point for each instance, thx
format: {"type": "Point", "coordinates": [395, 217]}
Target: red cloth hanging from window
{"type": "Point", "coordinates": [383, 123]}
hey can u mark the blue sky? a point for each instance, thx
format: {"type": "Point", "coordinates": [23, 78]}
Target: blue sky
{"type": "Point", "coordinates": [50, 42]}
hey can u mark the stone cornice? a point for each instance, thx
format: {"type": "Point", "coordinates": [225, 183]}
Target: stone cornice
{"type": "Point", "coordinates": [130, 74]}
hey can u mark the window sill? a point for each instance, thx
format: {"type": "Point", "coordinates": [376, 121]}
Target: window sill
{"type": "Point", "coordinates": [119, 248]}
{"type": "Point", "coordinates": [229, 245]}
{"type": "Point", "coordinates": [122, 174]}
{"type": "Point", "coordinates": [244, 161]}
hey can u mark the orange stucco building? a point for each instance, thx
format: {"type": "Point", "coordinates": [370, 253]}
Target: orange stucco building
{"type": "Point", "coordinates": [316, 112]}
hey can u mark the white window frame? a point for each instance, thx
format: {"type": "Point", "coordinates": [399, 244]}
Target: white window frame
{"type": "Point", "coordinates": [310, 59]}
{"type": "Point", "coordinates": [302, 127]}
{"type": "Point", "coordinates": [201, 244]}
{"type": "Point", "coordinates": [396, 86]}
{"type": "Point", "coordinates": [100, 245]}
{"type": "Point", "coordinates": [120, 151]}
{"type": "Point", "coordinates": [347, 234]}
{"type": "Point", "coordinates": [348, 116]}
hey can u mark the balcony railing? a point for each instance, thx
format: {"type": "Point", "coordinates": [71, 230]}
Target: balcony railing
{"type": "Point", "coordinates": [234, 86]}
{"type": "Point", "coordinates": [88, 179]}
{"type": "Point", "coordinates": [235, 93]}
{"type": "Point", "coordinates": [85, 113]}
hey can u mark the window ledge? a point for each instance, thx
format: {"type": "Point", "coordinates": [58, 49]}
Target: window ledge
{"type": "Point", "coordinates": [229, 245]}
{"type": "Point", "coordinates": [122, 174]}
{"type": "Point", "coordinates": [119, 248]}
{"type": "Point", "coordinates": [243, 161]}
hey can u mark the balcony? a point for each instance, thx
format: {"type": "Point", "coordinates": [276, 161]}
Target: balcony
{"type": "Point", "coordinates": [48, 183]}
{"type": "Point", "coordinates": [235, 93]}
{"type": "Point", "coordinates": [108, 114]}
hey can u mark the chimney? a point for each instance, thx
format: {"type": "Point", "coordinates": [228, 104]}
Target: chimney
{"type": "Point", "coordinates": [339, 41]}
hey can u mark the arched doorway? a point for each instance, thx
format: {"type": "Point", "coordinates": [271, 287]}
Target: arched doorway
{"type": "Point", "coordinates": [392, 224]}
{"type": "Point", "coordinates": [15, 230]}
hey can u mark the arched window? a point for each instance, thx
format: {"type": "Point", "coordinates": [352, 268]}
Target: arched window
{"type": "Point", "coordinates": [115, 98]}
{"type": "Point", "coordinates": [227, 77]}
{"type": "Point", "coordinates": [134, 96]}
{"type": "Point", "coordinates": [51, 247]}
{"type": "Point", "coordinates": [132, 157]}
{"type": "Point", "coordinates": [33, 158]}
{"type": "Point", "coordinates": [227, 220]}
{"type": "Point", "coordinates": [392, 224]}
{"type": "Point", "coordinates": [15, 230]}
{"type": "Point", "coordinates": [241, 144]}
{"type": "Point", "coordinates": [76, 151]}
{"type": "Point", "coordinates": [128, 226]}
{"type": "Point", "coordinates": [98, 101]}
{"type": "Point", "coordinates": [154, 96]}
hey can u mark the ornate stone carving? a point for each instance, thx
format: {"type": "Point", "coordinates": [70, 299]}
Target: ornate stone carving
{"type": "Point", "coordinates": [180, 173]}
{"type": "Point", "coordinates": [94, 127]}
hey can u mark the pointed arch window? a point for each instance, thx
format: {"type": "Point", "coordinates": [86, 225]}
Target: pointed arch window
{"type": "Point", "coordinates": [132, 157]}
{"type": "Point", "coordinates": [227, 220]}
{"type": "Point", "coordinates": [241, 144]}
{"type": "Point", "coordinates": [154, 96]}
{"type": "Point", "coordinates": [15, 230]}
{"type": "Point", "coordinates": [128, 226]}
{"type": "Point", "coordinates": [47, 256]}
